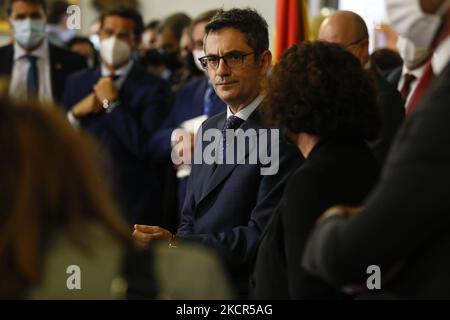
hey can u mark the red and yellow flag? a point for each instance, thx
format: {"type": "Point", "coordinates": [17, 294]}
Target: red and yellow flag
{"type": "Point", "coordinates": [291, 25]}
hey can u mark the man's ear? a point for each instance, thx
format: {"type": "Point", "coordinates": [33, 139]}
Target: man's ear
{"type": "Point", "coordinates": [265, 62]}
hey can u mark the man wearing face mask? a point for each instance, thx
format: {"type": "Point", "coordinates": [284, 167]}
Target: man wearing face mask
{"type": "Point", "coordinates": [404, 226]}
{"type": "Point", "coordinates": [407, 78]}
{"type": "Point", "coordinates": [195, 99]}
{"type": "Point", "coordinates": [122, 106]}
{"type": "Point", "coordinates": [349, 30]}
{"type": "Point", "coordinates": [37, 68]}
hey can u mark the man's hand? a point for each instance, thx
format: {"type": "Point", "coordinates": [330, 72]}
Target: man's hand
{"type": "Point", "coordinates": [87, 106]}
{"type": "Point", "coordinates": [105, 89]}
{"type": "Point", "coordinates": [143, 236]}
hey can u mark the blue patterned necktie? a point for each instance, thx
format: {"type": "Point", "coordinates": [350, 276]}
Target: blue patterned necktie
{"type": "Point", "coordinates": [232, 123]}
{"type": "Point", "coordinates": [208, 100]}
{"type": "Point", "coordinates": [32, 77]}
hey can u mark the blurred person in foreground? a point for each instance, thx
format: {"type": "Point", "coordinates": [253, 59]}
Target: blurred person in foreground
{"type": "Point", "coordinates": [403, 228]}
{"type": "Point", "coordinates": [56, 212]}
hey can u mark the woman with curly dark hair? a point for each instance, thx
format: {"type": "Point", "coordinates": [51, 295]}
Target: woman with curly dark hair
{"type": "Point", "coordinates": [323, 100]}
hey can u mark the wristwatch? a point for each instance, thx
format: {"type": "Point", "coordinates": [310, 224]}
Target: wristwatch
{"type": "Point", "coordinates": [109, 105]}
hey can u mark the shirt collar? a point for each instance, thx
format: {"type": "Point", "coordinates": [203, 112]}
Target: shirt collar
{"type": "Point", "coordinates": [42, 52]}
{"type": "Point", "coordinates": [418, 72]}
{"type": "Point", "coordinates": [246, 112]}
{"type": "Point", "coordinates": [441, 56]}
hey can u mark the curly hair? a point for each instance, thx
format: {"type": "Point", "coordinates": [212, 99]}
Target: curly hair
{"type": "Point", "coordinates": [321, 89]}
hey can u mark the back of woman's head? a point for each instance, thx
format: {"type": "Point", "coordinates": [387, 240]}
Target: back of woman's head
{"type": "Point", "coordinates": [321, 89]}
{"type": "Point", "coordinates": [49, 183]}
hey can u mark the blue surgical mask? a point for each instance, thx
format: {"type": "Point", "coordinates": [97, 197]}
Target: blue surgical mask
{"type": "Point", "coordinates": [29, 32]}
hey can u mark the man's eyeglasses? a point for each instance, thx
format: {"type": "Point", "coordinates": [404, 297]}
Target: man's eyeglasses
{"type": "Point", "coordinates": [232, 60]}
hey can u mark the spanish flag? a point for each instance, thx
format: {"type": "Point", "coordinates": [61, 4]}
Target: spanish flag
{"type": "Point", "coordinates": [291, 25]}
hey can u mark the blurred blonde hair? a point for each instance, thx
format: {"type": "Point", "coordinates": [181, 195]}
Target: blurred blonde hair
{"type": "Point", "coordinates": [49, 184]}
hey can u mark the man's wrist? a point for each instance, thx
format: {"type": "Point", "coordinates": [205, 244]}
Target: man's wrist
{"type": "Point", "coordinates": [110, 105]}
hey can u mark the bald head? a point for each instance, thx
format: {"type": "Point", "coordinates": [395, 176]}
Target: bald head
{"type": "Point", "coordinates": [347, 29]}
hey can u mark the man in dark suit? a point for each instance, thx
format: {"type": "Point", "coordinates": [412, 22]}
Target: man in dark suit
{"type": "Point", "coordinates": [122, 106]}
{"type": "Point", "coordinates": [228, 205]}
{"type": "Point", "coordinates": [349, 30]}
{"type": "Point", "coordinates": [36, 67]}
{"type": "Point", "coordinates": [403, 228]}
{"type": "Point", "coordinates": [195, 99]}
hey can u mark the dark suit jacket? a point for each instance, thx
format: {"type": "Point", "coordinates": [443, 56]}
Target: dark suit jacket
{"type": "Point", "coordinates": [126, 134]}
{"type": "Point", "coordinates": [62, 63]}
{"type": "Point", "coordinates": [392, 109]}
{"type": "Point", "coordinates": [228, 206]}
{"type": "Point", "coordinates": [337, 172]}
{"type": "Point", "coordinates": [406, 220]}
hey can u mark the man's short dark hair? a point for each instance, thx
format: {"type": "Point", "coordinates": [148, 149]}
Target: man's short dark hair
{"type": "Point", "coordinates": [176, 23]}
{"type": "Point", "coordinates": [248, 21]}
{"type": "Point", "coordinates": [126, 13]}
{"type": "Point", "coordinates": [9, 4]}
{"type": "Point", "coordinates": [205, 17]}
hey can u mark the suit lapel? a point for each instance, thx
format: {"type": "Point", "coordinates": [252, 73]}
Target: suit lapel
{"type": "Point", "coordinates": [219, 173]}
{"type": "Point", "coordinates": [6, 63]}
{"type": "Point", "coordinates": [56, 72]}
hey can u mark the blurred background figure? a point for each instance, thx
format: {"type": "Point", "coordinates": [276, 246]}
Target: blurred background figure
{"type": "Point", "coordinates": [385, 61]}
{"type": "Point", "coordinates": [83, 46]}
{"type": "Point", "coordinates": [408, 76]}
{"type": "Point", "coordinates": [52, 217]}
{"type": "Point", "coordinates": [38, 69]}
{"type": "Point", "coordinates": [149, 37]}
{"type": "Point", "coordinates": [56, 28]}
{"type": "Point", "coordinates": [350, 31]}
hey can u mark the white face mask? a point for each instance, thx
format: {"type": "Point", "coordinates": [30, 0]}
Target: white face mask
{"type": "Point", "coordinates": [412, 55]}
{"type": "Point", "coordinates": [197, 54]}
{"type": "Point", "coordinates": [408, 19]}
{"type": "Point", "coordinates": [29, 32]}
{"type": "Point", "coordinates": [114, 51]}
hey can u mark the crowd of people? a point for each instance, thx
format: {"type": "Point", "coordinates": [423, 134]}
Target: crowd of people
{"type": "Point", "coordinates": [104, 157]}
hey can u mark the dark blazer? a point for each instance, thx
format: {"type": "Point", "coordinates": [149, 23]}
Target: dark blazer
{"type": "Point", "coordinates": [392, 109]}
{"type": "Point", "coordinates": [227, 206]}
{"type": "Point", "coordinates": [405, 221]}
{"type": "Point", "coordinates": [337, 172]}
{"type": "Point", "coordinates": [126, 133]}
{"type": "Point", "coordinates": [62, 63]}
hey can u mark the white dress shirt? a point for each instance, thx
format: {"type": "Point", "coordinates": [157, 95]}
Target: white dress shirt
{"type": "Point", "coordinates": [246, 112]}
{"type": "Point", "coordinates": [18, 89]}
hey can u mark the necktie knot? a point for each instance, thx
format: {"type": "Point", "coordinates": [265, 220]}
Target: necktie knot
{"type": "Point", "coordinates": [406, 90]}
{"type": "Point", "coordinates": [233, 123]}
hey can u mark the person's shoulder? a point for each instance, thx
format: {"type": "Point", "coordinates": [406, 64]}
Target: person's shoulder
{"type": "Point", "coordinates": [140, 74]}
{"type": "Point", "coordinates": [6, 49]}
{"type": "Point", "coordinates": [82, 76]}
{"type": "Point", "coordinates": [66, 54]}
{"type": "Point", "coordinates": [214, 120]}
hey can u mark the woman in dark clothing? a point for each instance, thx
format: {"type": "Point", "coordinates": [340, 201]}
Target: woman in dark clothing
{"type": "Point", "coordinates": [322, 98]}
